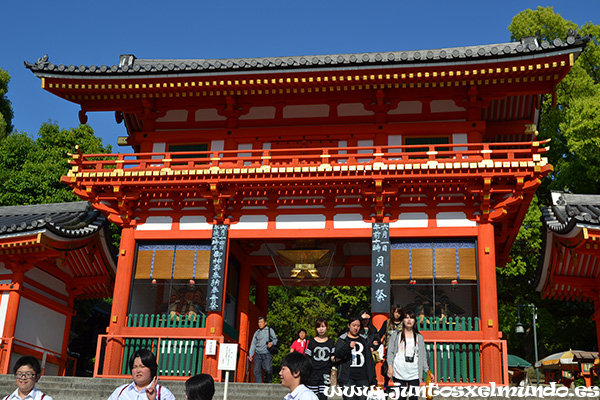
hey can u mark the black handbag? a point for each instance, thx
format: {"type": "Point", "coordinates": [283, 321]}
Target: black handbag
{"type": "Point", "coordinates": [275, 348]}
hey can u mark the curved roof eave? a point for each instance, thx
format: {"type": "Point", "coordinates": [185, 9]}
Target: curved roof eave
{"type": "Point", "coordinates": [68, 221]}
{"type": "Point", "coordinates": [567, 217]}
{"type": "Point", "coordinates": [129, 66]}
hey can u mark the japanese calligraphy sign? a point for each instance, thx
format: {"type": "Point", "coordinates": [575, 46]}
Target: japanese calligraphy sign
{"type": "Point", "coordinates": [380, 268]}
{"type": "Point", "coordinates": [216, 274]}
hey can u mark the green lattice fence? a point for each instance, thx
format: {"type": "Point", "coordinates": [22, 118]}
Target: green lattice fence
{"type": "Point", "coordinates": [176, 357]}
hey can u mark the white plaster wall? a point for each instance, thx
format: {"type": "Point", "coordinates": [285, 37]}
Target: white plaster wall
{"type": "Point", "coordinates": [208, 114]}
{"type": "Point", "coordinates": [350, 221]}
{"type": "Point", "coordinates": [444, 106]}
{"type": "Point", "coordinates": [47, 280]}
{"type": "Point", "coordinates": [49, 369]}
{"type": "Point", "coordinates": [411, 220]}
{"type": "Point", "coordinates": [300, 221]}
{"type": "Point", "coordinates": [217, 145]}
{"type": "Point", "coordinates": [160, 147]}
{"type": "Point", "coordinates": [3, 309]}
{"type": "Point", "coordinates": [408, 107]}
{"type": "Point", "coordinates": [174, 116]}
{"type": "Point", "coordinates": [453, 219]}
{"type": "Point", "coordinates": [40, 326]}
{"type": "Point", "coordinates": [193, 222]}
{"type": "Point", "coordinates": [267, 112]}
{"type": "Point", "coordinates": [365, 143]}
{"type": "Point", "coordinates": [245, 146]}
{"type": "Point", "coordinates": [253, 222]}
{"type": "Point", "coordinates": [395, 140]}
{"type": "Point", "coordinates": [3, 269]}
{"type": "Point", "coordinates": [352, 109]}
{"type": "Point", "coordinates": [306, 111]}
{"type": "Point", "coordinates": [156, 224]}
{"type": "Point", "coordinates": [460, 138]}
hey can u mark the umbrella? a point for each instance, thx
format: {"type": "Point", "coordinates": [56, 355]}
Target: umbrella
{"type": "Point", "coordinates": [561, 360]}
{"type": "Point", "coordinates": [517, 362]}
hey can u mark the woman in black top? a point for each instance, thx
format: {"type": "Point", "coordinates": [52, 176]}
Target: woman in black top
{"type": "Point", "coordinates": [368, 330]}
{"type": "Point", "coordinates": [356, 368]}
{"type": "Point", "coordinates": [320, 350]}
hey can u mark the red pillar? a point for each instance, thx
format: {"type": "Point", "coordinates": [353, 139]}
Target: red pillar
{"type": "Point", "coordinates": [214, 323]}
{"type": "Point", "coordinates": [244, 324]}
{"type": "Point", "coordinates": [378, 320]}
{"type": "Point", "coordinates": [120, 304]}
{"type": "Point", "coordinates": [14, 299]}
{"type": "Point", "coordinates": [491, 370]}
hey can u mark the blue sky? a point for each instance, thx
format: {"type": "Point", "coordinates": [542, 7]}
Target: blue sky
{"type": "Point", "coordinates": [88, 32]}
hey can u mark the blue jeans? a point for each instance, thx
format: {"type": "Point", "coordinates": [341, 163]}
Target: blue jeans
{"type": "Point", "coordinates": [263, 361]}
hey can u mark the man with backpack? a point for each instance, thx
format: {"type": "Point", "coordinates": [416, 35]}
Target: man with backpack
{"type": "Point", "coordinates": [262, 348]}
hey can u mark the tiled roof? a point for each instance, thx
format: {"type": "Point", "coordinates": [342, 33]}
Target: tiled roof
{"type": "Point", "coordinates": [69, 220]}
{"type": "Point", "coordinates": [569, 210]}
{"type": "Point", "coordinates": [129, 65]}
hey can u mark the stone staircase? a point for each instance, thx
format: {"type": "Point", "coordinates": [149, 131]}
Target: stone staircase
{"type": "Point", "coordinates": [75, 388]}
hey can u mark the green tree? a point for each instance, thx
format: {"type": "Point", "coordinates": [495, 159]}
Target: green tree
{"type": "Point", "coordinates": [572, 121]}
{"type": "Point", "coordinates": [571, 118]}
{"type": "Point", "coordinates": [293, 308]}
{"type": "Point", "coordinates": [6, 112]}
{"type": "Point", "coordinates": [30, 168]}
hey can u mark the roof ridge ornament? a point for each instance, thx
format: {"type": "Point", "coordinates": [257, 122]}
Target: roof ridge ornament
{"type": "Point", "coordinates": [530, 42]}
{"type": "Point", "coordinates": [126, 60]}
{"type": "Point", "coordinates": [573, 33]}
{"type": "Point", "coordinates": [42, 60]}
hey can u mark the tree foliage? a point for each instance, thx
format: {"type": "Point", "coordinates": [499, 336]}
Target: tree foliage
{"type": "Point", "coordinates": [573, 125]}
{"type": "Point", "coordinates": [571, 119]}
{"type": "Point", "coordinates": [30, 168]}
{"type": "Point", "coordinates": [6, 112]}
{"type": "Point", "coordinates": [293, 308]}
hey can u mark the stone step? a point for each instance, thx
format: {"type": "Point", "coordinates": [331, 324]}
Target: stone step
{"type": "Point", "coordinates": [76, 388]}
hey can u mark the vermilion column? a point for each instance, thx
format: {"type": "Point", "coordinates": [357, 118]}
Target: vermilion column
{"type": "Point", "coordinates": [214, 324]}
{"type": "Point", "coordinates": [491, 367]}
{"type": "Point", "coordinates": [120, 304]}
{"type": "Point", "coordinates": [14, 299]}
{"type": "Point", "coordinates": [243, 307]}
{"type": "Point", "coordinates": [378, 320]}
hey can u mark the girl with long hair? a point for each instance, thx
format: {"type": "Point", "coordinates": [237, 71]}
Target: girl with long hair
{"type": "Point", "coordinates": [393, 323]}
{"type": "Point", "coordinates": [407, 358]}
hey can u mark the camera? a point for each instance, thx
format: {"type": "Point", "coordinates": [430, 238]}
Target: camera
{"type": "Point", "coordinates": [409, 359]}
